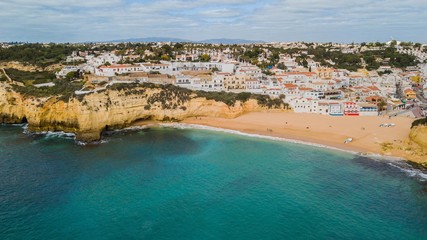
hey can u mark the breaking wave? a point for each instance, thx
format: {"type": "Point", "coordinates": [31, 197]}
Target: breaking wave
{"type": "Point", "coordinates": [410, 170]}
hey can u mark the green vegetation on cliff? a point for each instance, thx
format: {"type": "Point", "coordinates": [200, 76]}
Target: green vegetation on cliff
{"type": "Point", "coordinates": [170, 96]}
{"type": "Point", "coordinates": [63, 89]}
{"type": "Point", "coordinates": [231, 98]}
{"type": "Point", "coordinates": [35, 77]}
{"type": "Point", "coordinates": [182, 95]}
{"type": "Point", "coordinates": [419, 122]}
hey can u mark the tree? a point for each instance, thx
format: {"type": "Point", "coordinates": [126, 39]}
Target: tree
{"type": "Point", "coordinates": [205, 57]}
{"type": "Point", "coordinates": [165, 57]}
{"type": "Point", "coordinates": [382, 105]}
{"type": "Point", "coordinates": [378, 44]}
{"type": "Point", "coordinates": [281, 66]}
{"type": "Point", "coordinates": [393, 43]}
{"type": "Point", "coordinates": [178, 46]}
{"type": "Point", "coordinates": [304, 63]}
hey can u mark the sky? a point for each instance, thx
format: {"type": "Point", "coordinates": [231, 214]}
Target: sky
{"type": "Point", "coordinates": [268, 20]}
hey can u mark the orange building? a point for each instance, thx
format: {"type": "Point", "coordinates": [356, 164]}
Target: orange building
{"type": "Point", "coordinates": [410, 94]}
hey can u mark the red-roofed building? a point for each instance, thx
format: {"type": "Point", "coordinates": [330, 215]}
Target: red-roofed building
{"type": "Point", "coordinates": [374, 99]}
{"type": "Point", "coordinates": [291, 90]}
{"type": "Point", "coordinates": [117, 69]}
{"type": "Point", "coordinates": [374, 91]}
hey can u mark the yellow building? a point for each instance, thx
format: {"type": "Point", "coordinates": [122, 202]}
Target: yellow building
{"type": "Point", "coordinates": [235, 82]}
{"type": "Point", "coordinates": [325, 73]}
{"type": "Point", "coordinates": [416, 79]}
{"type": "Point", "coordinates": [363, 71]}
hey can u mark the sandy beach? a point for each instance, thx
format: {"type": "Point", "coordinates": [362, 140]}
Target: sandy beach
{"type": "Point", "coordinates": [367, 136]}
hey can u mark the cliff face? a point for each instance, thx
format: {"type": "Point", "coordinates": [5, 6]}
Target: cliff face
{"type": "Point", "coordinates": [110, 109]}
{"type": "Point", "coordinates": [416, 147]}
{"type": "Point", "coordinates": [418, 135]}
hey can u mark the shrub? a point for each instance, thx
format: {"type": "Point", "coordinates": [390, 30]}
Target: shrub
{"type": "Point", "coordinates": [419, 122]}
{"type": "Point", "coordinates": [63, 89]}
{"type": "Point", "coordinates": [22, 76]}
{"type": "Point", "coordinates": [231, 98]}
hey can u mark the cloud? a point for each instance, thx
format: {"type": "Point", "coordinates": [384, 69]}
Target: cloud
{"type": "Point", "coordinates": [270, 20]}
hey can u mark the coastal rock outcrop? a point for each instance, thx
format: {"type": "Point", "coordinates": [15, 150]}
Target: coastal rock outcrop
{"type": "Point", "coordinates": [89, 115]}
{"type": "Point", "coordinates": [418, 135]}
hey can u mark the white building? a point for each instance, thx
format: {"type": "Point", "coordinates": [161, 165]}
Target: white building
{"type": "Point", "coordinates": [304, 105]}
{"type": "Point", "coordinates": [336, 109]}
{"type": "Point", "coordinates": [253, 85]}
{"type": "Point", "coordinates": [163, 68]}
{"type": "Point", "coordinates": [65, 70]}
{"type": "Point", "coordinates": [314, 95]}
{"type": "Point", "coordinates": [183, 80]}
{"type": "Point", "coordinates": [202, 66]}
{"type": "Point", "coordinates": [367, 109]}
{"type": "Point", "coordinates": [102, 59]}
{"type": "Point", "coordinates": [250, 70]}
{"type": "Point", "coordinates": [114, 70]}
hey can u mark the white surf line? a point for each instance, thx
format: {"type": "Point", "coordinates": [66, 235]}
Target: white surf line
{"type": "Point", "coordinates": [224, 130]}
{"type": "Point", "coordinates": [203, 127]}
{"type": "Point", "coordinates": [408, 169]}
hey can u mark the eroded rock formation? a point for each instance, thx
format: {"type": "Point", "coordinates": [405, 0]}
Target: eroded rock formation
{"type": "Point", "coordinates": [87, 116]}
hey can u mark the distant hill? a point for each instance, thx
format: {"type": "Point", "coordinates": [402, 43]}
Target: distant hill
{"type": "Point", "coordinates": [151, 39]}
{"type": "Point", "coordinates": [167, 39]}
{"type": "Point", "coordinates": [230, 41]}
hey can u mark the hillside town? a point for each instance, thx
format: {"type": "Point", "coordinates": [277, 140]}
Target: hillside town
{"type": "Point", "coordinates": [368, 86]}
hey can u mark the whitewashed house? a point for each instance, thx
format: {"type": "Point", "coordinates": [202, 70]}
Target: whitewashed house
{"type": "Point", "coordinates": [113, 70]}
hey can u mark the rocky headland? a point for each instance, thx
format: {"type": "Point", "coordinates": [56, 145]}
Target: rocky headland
{"type": "Point", "coordinates": [120, 105]}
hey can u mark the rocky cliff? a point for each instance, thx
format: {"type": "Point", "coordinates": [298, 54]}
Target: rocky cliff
{"type": "Point", "coordinates": [89, 115]}
{"type": "Point", "coordinates": [418, 135]}
{"type": "Point", "coordinates": [415, 148]}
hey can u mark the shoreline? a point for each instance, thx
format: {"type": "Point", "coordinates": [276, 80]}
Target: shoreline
{"type": "Point", "coordinates": [411, 168]}
{"type": "Point", "coordinates": [236, 132]}
{"type": "Point", "coordinates": [369, 139]}
{"type": "Point", "coordinates": [320, 130]}
{"type": "Point", "coordinates": [181, 125]}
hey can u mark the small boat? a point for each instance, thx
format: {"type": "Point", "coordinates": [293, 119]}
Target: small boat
{"type": "Point", "coordinates": [348, 140]}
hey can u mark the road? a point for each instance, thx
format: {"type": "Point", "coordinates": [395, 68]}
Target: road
{"type": "Point", "coordinates": [10, 80]}
{"type": "Point", "coordinates": [420, 96]}
{"type": "Point", "coordinates": [5, 74]}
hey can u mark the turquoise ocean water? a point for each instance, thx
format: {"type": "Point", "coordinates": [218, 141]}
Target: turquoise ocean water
{"type": "Point", "coordinates": [166, 183]}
